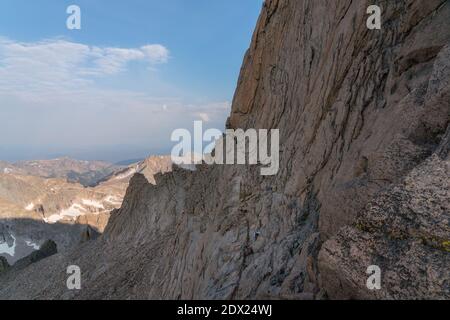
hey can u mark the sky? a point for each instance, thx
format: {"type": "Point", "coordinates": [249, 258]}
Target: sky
{"type": "Point", "coordinates": [118, 87]}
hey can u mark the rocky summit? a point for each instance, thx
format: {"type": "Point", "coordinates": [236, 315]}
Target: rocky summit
{"type": "Point", "coordinates": [363, 181]}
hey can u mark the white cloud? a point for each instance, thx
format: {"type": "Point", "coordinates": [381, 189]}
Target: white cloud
{"type": "Point", "coordinates": [50, 94]}
{"type": "Point", "coordinates": [204, 116]}
{"type": "Point", "coordinates": [112, 60]}
{"type": "Point", "coordinates": [156, 53]}
{"type": "Point", "coordinates": [59, 62]}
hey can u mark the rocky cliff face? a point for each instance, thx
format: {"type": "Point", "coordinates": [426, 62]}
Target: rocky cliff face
{"type": "Point", "coordinates": [364, 123]}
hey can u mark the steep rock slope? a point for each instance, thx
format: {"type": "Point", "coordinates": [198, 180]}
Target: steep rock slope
{"type": "Point", "coordinates": [362, 116]}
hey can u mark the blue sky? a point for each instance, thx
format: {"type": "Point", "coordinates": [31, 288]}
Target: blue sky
{"type": "Point", "coordinates": [116, 88]}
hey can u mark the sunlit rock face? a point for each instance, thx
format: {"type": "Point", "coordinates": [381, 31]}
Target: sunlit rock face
{"type": "Point", "coordinates": [363, 180]}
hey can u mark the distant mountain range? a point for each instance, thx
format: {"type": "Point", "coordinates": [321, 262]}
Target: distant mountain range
{"type": "Point", "coordinates": [128, 162]}
{"type": "Point", "coordinates": [87, 173]}
{"type": "Point", "coordinates": [109, 153]}
{"type": "Point", "coordinates": [62, 200]}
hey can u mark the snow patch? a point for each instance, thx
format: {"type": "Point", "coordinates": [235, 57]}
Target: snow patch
{"type": "Point", "coordinates": [93, 203]}
{"type": "Point", "coordinates": [126, 174]}
{"type": "Point", "coordinates": [73, 212]}
{"type": "Point", "coordinates": [6, 249]}
{"type": "Point", "coordinates": [113, 200]}
{"type": "Point", "coordinates": [54, 218]}
{"type": "Point", "coordinates": [32, 244]}
{"type": "Point", "coordinates": [30, 207]}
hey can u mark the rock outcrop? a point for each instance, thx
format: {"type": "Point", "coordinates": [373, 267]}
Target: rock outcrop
{"type": "Point", "coordinates": [47, 249]}
{"type": "Point", "coordinates": [364, 126]}
{"type": "Point", "coordinates": [4, 265]}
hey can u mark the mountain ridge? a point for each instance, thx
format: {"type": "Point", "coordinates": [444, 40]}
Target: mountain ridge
{"type": "Point", "coordinates": [43, 204]}
{"type": "Point", "coordinates": [364, 128]}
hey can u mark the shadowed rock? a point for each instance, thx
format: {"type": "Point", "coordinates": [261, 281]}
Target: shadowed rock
{"type": "Point", "coordinates": [47, 249]}
{"type": "Point", "coordinates": [4, 265]}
